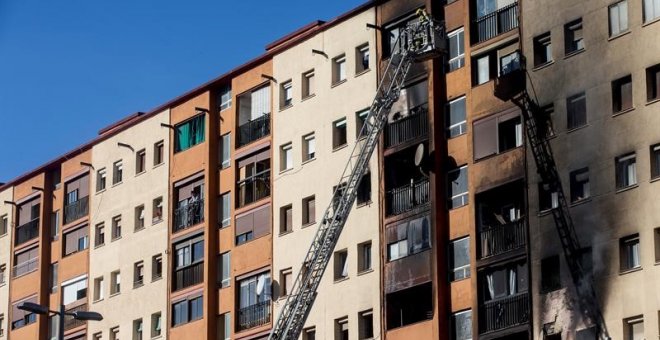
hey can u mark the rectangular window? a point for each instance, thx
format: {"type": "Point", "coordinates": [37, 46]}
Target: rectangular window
{"type": "Point", "coordinates": [189, 133]}
{"type": "Point", "coordinates": [225, 150]}
{"type": "Point", "coordinates": [630, 253]}
{"type": "Point", "coordinates": [361, 58]}
{"type": "Point", "coordinates": [157, 210]}
{"type": "Point", "coordinates": [341, 329]}
{"type": "Point", "coordinates": [338, 69]}
{"type": "Point", "coordinates": [254, 295]}
{"type": "Point", "coordinates": [286, 157]}
{"type": "Point", "coordinates": [633, 328]}
{"type": "Point", "coordinates": [576, 110]}
{"type": "Point", "coordinates": [366, 325]}
{"type": "Point", "coordinates": [339, 133]}
{"type": "Point", "coordinates": [25, 262]}
{"type": "Point", "coordinates": [656, 238]}
{"type": "Point", "coordinates": [626, 171]}
{"type": "Point", "coordinates": [622, 94]}
{"type": "Point", "coordinates": [98, 289]}
{"type": "Point", "coordinates": [74, 290]}
{"type": "Point", "coordinates": [360, 119]}
{"type": "Point", "coordinates": [364, 190]}
{"type": "Point", "coordinates": [4, 222]}
{"type": "Point", "coordinates": [156, 324]}
{"type": "Point", "coordinates": [341, 264]}
{"type": "Point", "coordinates": [286, 282]}
{"type": "Point", "coordinates": [253, 225]}
{"type": "Point", "coordinates": [114, 333]}
{"type": "Point", "coordinates": [309, 147]}
{"type": "Point", "coordinates": [116, 227]}
{"type": "Point", "coordinates": [53, 278]}
{"type": "Point", "coordinates": [509, 63]}
{"type": "Point", "coordinates": [483, 73]}
{"type": "Point", "coordinates": [456, 123]}
{"type": "Point", "coordinates": [580, 185]}
{"type": "Point", "coordinates": [456, 45]}
{"type": "Point", "coordinates": [459, 259]}
{"type": "Point", "coordinates": [411, 237]}
{"type": "Point", "coordinates": [309, 210]}
{"type": "Point", "coordinates": [618, 18]}
{"type": "Point", "coordinates": [117, 172]}
{"type": "Point", "coordinates": [139, 217]}
{"type": "Point", "coordinates": [573, 40]}
{"type": "Point", "coordinates": [309, 333]}
{"type": "Point", "coordinates": [115, 282]}
{"type": "Point", "coordinates": [3, 274]}
{"type": "Point", "coordinates": [548, 199]}
{"type": "Point", "coordinates": [99, 235]}
{"type": "Point", "coordinates": [653, 81]}
{"type": "Point", "coordinates": [651, 10]}
{"type": "Point", "coordinates": [159, 153]}
{"type": "Point", "coordinates": [225, 327]}
{"type": "Point", "coordinates": [655, 161]}
{"type": "Point", "coordinates": [22, 318]}
{"type": "Point", "coordinates": [225, 209]}
{"type": "Point", "coordinates": [225, 269]}
{"type": "Point", "coordinates": [140, 161]}
{"type": "Point", "coordinates": [458, 187]}
{"type": "Point", "coordinates": [308, 84]}
{"type": "Point", "coordinates": [225, 97]}
{"type": "Point", "coordinates": [100, 180]}
{"type": "Point", "coordinates": [137, 329]}
{"type": "Point", "coordinates": [138, 274]}
{"type": "Point", "coordinates": [550, 278]}
{"type": "Point", "coordinates": [461, 325]}
{"type": "Point", "coordinates": [286, 94]}
{"type": "Point", "coordinates": [156, 267]}
{"type": "Point", "coordinates": [364, 257]}
{"type": "Point", "coordinates": [286, 219]}
{"type": "Point", "coordinates": [542, 49]}
{"type": "Point", "coordinates": [76, 240]}
{"type": "Point", "coordinates": [54, 225]}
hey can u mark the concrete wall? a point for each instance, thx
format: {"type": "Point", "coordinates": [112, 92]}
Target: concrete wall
{"type": "Point", "coordinates": [318, 177]}
{"type": "Point", "coordinates": [5, 256]}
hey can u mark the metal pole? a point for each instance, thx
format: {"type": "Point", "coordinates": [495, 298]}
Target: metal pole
{"type": "Point", "coordinates": [60, 329]}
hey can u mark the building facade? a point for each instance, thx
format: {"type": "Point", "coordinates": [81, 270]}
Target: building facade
{"type": "Point", "coordinates": [6, 229]}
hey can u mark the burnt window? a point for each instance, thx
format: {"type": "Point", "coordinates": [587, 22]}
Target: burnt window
{"type": "Point", "coordinates": [550, 279]}
{"type": "Point", "coordinates": [580, 189]}
{"type": "Point", "coordinates": [622, 94]}
{"type": "Point", "coordinates": [542, 49]}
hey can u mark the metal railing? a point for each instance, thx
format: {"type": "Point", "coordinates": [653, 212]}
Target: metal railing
{"type": "Point", "coordinates": [188, 215]}
{"type": "Point", "coordinates": [70, 322]}
{"type": "Point", "coordinates": [408, 128]}
{"type": "Point", "coordinates": [254, 315]}
{"type": "Point", "coordinates": [27, 231]}
{"type": "Point", "coordinates": [254, 188]}
{"type": "Point", "coordinates": [76, 210]}
{"type": "Point", "coordinates": [495, 23]}
{"type": "Point", "coordinates": [503, 313]}
{"type": "Point", "coordinates": [25, 267]}
{"type": "Point", "coordinates": [502, 238]}
{"type": "Point", "coordinates": [254, 130]}
{"type": "Point", "coordinates": [408, 197]}
{"type": "Point", "coordinates": [188, 276]}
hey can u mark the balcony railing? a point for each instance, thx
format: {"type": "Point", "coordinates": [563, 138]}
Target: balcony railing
{"type": "Point", "coordinates": [503, 238]}
{"type": "Point", "coordinates": [504, 313]}
{"type": "Point", "coordinates": [254, 129]}
{"type": "Point", "coordinates": [76, 210]}
{"type": "Point", "coordinates": [25, 267]}
{"type": "Point", "coordinates": [495, 23]}
{"type": "Point", "coordinates": [408, 197]}
{"type": "Point", "coordinates": [188, 215]}
{"type": "Point", "coordinates": [188, 276]}
{"type": "Point", "coordinates": [408, 128]}
{"type": "Point", "coordinates": [27, 231]}
{"type": "Point", "coordinates": [254, 188]}
{"type": "Point", "coordinates": [254, 316]}
{"type": "Point", "coordinates": [70, 322]}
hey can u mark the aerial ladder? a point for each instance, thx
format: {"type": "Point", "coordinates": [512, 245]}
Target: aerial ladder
{"type": "Point", "coordinates": [418, 41]}
{"type": "Point", "coordinates": [512, 86]}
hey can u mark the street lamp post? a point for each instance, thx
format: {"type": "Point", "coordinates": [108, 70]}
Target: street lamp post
{"type": "Point", "coordinates": [78, 315]}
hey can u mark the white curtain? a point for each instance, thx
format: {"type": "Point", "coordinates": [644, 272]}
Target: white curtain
{"type": "Point", "coordinates": [512, 282]}
{"type": "Point", "coordinates": [491, 286]}
{"type": "Point", "coordinates": [260, 102]}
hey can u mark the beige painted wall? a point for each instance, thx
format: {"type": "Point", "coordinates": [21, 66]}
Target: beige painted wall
{"type": "Point", "coordinates": [133, 246]}
{"type": "Point", "coordinates": [317, 177]}
{"type": "Point", "coordinates": [5, 255]}
{"type": "Point", "coordinates": [609, 215]}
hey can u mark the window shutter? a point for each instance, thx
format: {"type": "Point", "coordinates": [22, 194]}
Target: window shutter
{"type": "Point", "coordinates": [485, 137]}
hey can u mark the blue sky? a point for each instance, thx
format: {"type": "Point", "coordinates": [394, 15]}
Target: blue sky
{"type": "Point", "coordinates": [69, 68]}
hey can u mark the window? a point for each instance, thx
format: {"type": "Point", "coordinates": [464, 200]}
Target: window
{"type": "Point", "coordinates": [156, 324]}
{"type": "Point", "coordinates": [98, 289]}
{"type": "Point", "coordinates": [253, 178]}
{"type": "Point", "coordinates": [99, 235]}
{"type": "Point", "coordinates": [503, 282]}
{"type": "Point", "coordinates": [364, 190]}
{"type": "Point", "coordinates": [364, 257]}
{"type": "Point", "coordinates": [550, 279]}
{"type": "Point", "coordinates": [286, 219]}
{"type": "Point", "coordinates": [253, 225]}
{"type": "Point", "coordinates": [339, 133]}
{"type": "Point", "coordinates": [156, 267]}
{"type": "Point", "coordinates": [651, 10]}
{"type": "Point", "coordinates": [483, 73]}
{"type": "Point", "coordinates": [225, 209]}
{"type": "Point", "coordinates": [461, 325]}
{"type": "Point", "coordinates": [116, 227]}
{"type": "Point", "coordinates": [618, 18]}
{"type": "Point", "coordinates": [653, 81]}
{"type": "Point", "coordinates": [225, 97]}
{"type": "Point", "coordinates": [309, 147]}
{"type": "Point", "coordinates": [390, 36]}
{"type": "Point", "coordinates": [286, 157]}
{"type": "Point", "coordinates": [137, 329]}
{"type": "Point", "coordinates": [188, 263]}
{"type": "Point", "coordinates": [456, 124]}
{"type": "Point", "coordinates": [100, 180]}
{"type": "Point", "coordinates": [366, 325]}
{"type": "Point", "coordinates": [76, 240]}
{"type": "Point", "coordinates": [411, 237]}
{"type": "Point", "coordinates": [53, 278]}
{"type": "Point", "coordinates": [308, 84]}
{"type": "Point", "coordinates": [95, 336]}
{"type": "Point", "coordinates": [548, 199]}
{"type": "Point", "coordinates": [542, 49]}
{"type": "Point", "coordinates": [497, 134]}
{"type": "Point", "coordinates": [189, 133]}
{"type": "Point", "coordinates": [361, 58]}
{"type": "Point", "coordinates": [225, 150]}
{"type": "Point", "coordinates": [159, 153]}
{"type": "Point", "coordinates": [3, 274]}
{"type": "Point", "coordinates": [338, 69]}
{"type": "Point", "coordinates": [459, 259]}
{"type": "Point", "coordinates": [157, 210]}
{"type": "Point", "coordinates": [655, 161]}
{"type": "Point", "coordinates": [509, 63]}
{"type": "Point", "coordinates": [341, 264]}
{"type": "Point", "coordinates": [114, 333]}
{"type": "Point", "coordinates": [456, 45]}
{"type": "Point", "coordinates": [22, 318]}
{"type": "Point", "coordinates": [458, 187]}
{"type": "Point", "coordinates": [4, 222]}
{"type": "Point", "coordinates": [309, 333]}
{"type": "Point", "coordinates": [286, 282]}
{"type": "Point", "coordinates": [360, 119]}
{"type": "Point", "coordinates": [308, 210]}
{"type": "Point", "coordinates": [139, 217]}
{"type": "Point", "coordinates": [115, 282]}
{"type": "Point", "coordinates": [656, 234]}
{"type": "Point", "coordinates": [74, 290]}
{"type": "Point", "coordinates": [576, 110]}
{"type": "Point", "coordinates": [630, 253]}
{"type": "Point", "coordinates": [54, 225]}
{"type": "Point", "coordinates": [2, 322]}
{"type": "Point", "coordinates": [254, 293]}
{"type": "Point", "coordinates": [622, 94]}
{"type": "Point", "coordinates": [626, 171]}
{"type": "Point", "coordinates": [633, 328]}
{"type": "Point", "coordinates": [573, 40]}
{"type": "Point", "coordinates": [25, 262]}
{"type": "Point", "coordinates": [140, 161]}
{"type": "Point", "coordinates": [138, 274]}
{"type": "Point", "coordinates": [224, 327]}
{"type": "Point", "coordinates": [341, 329]}
{"type": "Point", "coordinates": [580, 185]}
{"type": "Point", "coordinates": [225, 269]}
{"type": "Point", "coordinates": [286, 94]}
{"type": "Point", "coordinates": [117, 172]}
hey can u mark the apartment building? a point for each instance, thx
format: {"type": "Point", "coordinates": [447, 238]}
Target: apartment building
{"type": "Point", "coordinates": [327, 80]}
{"type": "Point", "coordinates": [6, 232]}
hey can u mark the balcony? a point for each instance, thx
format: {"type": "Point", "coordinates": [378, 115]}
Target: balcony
{"type": "Point", "coordinates": [25, 267]}
{"type": "Point", "coordinates": [407, 129]}
{"type": "Point", "coordinates": [254, 188]}
{"type": "Point", "coordinates": [503, 313]}
{"type": "Point", "coordinates": [254, 130]}
{"type": "Point", "coordinates": [495, 23]}
{"type": "Point", "coordinates": [408, 197]}
{"type": "Point", "coordinates": [76, 210]}
{"type": "Point", "coordinates": [70, 322]}
{"type": "Point", "coordinates": [188, 276]}
{"type": "Point", "coordinates": [26, 232]}
{"type": "Point", "coordinates": [503, 238]}
{"type": "Point", "coordinates": [188, 215]}
{"type": "Point", "coordinates": [254, 316]}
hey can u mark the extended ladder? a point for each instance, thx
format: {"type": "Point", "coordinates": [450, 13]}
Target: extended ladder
{"type": "Point", "coordinates": [418, 41]}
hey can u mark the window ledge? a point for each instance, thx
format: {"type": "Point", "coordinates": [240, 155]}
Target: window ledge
{"type": "Point", "coordinates": [632, 270]}
{"type": "Point", "coordinates": [3, 284]}
{"type": "Point", "coordinates": [156, 337]}
{"type": "Point", "coordinates": [365, 272]}
{"type": "Point", "coordinates": [310, 96]}
{"type": "Point", "coordinates": [362, 72]}
{"type": "Point", "coordinates": [363, 204]}
{"type": "Point", "coordinates": [227, 166]}
{"type": "Point", "coordinates": [335, 84]}
{"type": "Point", "coordinates": [157, 279]}
{"type": "Point", "coordinates": [459, 280]}
{"type": "Point", "coordinates": [308, 224]}
{"type": "Point", "coordinates": [114, 294]}
{"type": "Point", "coordinates": [654, 179]}
{"type": "Point", "coordinates": [574, 53]}
{"type": "Point", "coordinates": [282, 108]}
{"type": "Point", "coordinates": [544, 65]}
{"type": "Point", "coordinates": [616, 114]}
{"type": "Point", "coordinates": [308, 161]}
{"type": "Point", "coordinates": [285, 170]}
{"type": "Point", "coordinates": [580, 202]}
{"type": "Point", "coordinates": [653, 101]}
{"type": "Point", "coordinates": [341, 280]}
{"type": "Point", "coordinates": [137, 285]}
{"type": "Point", "coordinates": [286, 232]}
{"type": "Point", "coordinates": [154, 222]}
{"type": "Point", "coordinates": [626, 32]}
{"type": "Point", "coordinates": [577, 128]}
{"type": "Point", "coordinates": [99, 246]}
{"type": "Point", "coordinates": [115, 239]}
{"type": "Point", "coordinates": [97, 300]}
{"type": "Point", "coordinates": [3, 235]}
{"type": "Point", "coordinates": [141, 173]}
{"type": "Point", "coordinates": [116, 184]}
{"type": "Point", "coordinates": [101, 191]}
{"type": "Point", "coordinates": [343, 146]}
{"type": "Point", "coordinates": [135, 230]}
{"type": "Point", "coordinates": [158, 165]}
{"type": "Point", "coordinates": [652, 21]}
{"type": "Point", "coordinates": [630, 187]}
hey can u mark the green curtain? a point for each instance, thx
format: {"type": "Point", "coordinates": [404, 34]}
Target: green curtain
{"type": "Point", "coordinates": [183, 137]}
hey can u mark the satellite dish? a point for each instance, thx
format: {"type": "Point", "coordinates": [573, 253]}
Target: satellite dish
{"type": "Point", "coordinates": [420, 154]}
